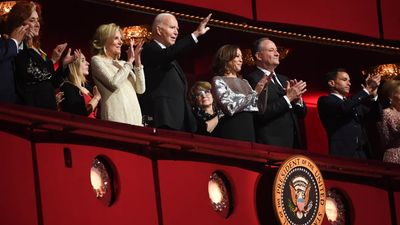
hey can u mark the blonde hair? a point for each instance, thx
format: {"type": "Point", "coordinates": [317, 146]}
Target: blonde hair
{"type": "Point", "coordinates": [75, 75]}
{"type": "Point", "coordinates": [389, 88]}
{"type": "Point", "coordinates": [104, 33]}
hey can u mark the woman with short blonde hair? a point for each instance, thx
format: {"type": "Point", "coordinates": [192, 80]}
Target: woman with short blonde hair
{"type": "Point", "coordinates": [389, 127]}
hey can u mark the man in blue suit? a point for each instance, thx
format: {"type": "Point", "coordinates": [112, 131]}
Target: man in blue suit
{"type": "Point", "coordinates": [344, 117]}
{"type": "Point", "coordinates": [8, 50]}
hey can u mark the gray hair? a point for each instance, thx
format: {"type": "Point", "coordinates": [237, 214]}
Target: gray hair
{"type": "Point", "coordinates": [159, 20]}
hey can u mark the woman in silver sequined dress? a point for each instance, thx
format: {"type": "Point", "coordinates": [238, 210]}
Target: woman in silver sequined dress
{"type": "Point", "coordinates": [234, 96]}
{"type": "Point", "coordinates": [389, 127]}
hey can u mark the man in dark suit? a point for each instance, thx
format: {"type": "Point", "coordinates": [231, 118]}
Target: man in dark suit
{"type": "Point", "coordinates": [8, 50]}
{"type": "Point", "coordinates": [165, 99]}
{"type": "Point", "coordinates": [278, 125]}
{"type": "Point", "coordinates": [344, 118]}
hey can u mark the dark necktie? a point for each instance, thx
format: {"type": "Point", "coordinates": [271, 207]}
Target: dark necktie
{"type": "Point", "coordinates": [276, 82]}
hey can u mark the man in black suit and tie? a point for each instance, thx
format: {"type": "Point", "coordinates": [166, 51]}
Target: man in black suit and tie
{"type": "Point", "coordinates": [278, 125]}
{"type": "Point", "coordinates": [165, 98]}
{"type": "Point", "coordinates": [344, 118]}
{"type": "Point", "coordinates": [8, 51]}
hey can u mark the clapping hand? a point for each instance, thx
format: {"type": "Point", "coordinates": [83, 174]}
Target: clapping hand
{"type": "Point", "coordinates": [294, 89]}
{"type": "Point", "coordinates": [131, 51]}
{"type": "Point", "coordinates": [69, 58]}
{"type": "Point", "coordinates": [96, 93]}
{"type": "Point", "coordinates": [59, 97]}
{"type": "Point", "coordinates": [19, 33]}
{"type": "Point", "coordinates": [372, 84]}
{"type": "Point", "coordinates": [134, 52]}
{"type": "Point", "coordinates": [138, 51]}
{"type": "Point", "coordinates": [262, 83]}
{"type": "Point", "coordinates": [77, 53]}
{"type": "Point", "coordinates": [57, 52]}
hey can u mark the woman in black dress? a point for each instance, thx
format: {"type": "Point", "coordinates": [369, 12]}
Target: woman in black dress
{"type": "Point", "coordinates": [204, 109]}
{"type": "Point", "coordinates": [79, 96]}
{"type": "Point", "coordinates": [234, 96]}
{"type": "Point", "coordinates": [36, 79]}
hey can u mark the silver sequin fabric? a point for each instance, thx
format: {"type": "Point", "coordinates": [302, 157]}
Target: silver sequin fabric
{"type": "Point", "coordinates": [233, 95]}
{"type": "Point", "coordinates": [389, 130]}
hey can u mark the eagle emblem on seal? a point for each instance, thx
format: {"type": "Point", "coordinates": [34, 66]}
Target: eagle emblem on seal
{"type": "Point", "coordinates": [300, 195]}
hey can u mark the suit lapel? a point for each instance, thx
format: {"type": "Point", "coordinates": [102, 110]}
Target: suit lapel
{"type": "Point", "coordinates": [179, 71]}
{"type": "Point", "coordinates": [174, 63]}
{"type": "Point", "coordinates": [276, 88]}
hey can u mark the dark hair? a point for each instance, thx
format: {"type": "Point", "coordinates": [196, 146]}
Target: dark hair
{"type": "Point", "coordinates": [331, 75]}
{"type": "Point", "coordinates": [256, 46]}
{"type": "Point", "coordinates": [20, 12]}
{"type": "Point", "coordinates": [223, 56]}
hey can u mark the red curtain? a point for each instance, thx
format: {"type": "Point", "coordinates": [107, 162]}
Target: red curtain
{"type": "Point", "coordinates": [237, 7]}
{"type": "Point", "coordinates": [357, 16]}
{"type": "Point", "coordinates": [391, 19]}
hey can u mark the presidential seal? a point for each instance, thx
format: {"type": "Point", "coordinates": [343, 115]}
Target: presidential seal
{"type": "Point", "coordinates": [299, 192]}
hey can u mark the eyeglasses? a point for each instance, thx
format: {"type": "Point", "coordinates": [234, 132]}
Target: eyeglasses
{"type": "Point", "coordinates": [202, 93]}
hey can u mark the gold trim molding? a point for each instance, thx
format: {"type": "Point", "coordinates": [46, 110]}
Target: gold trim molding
{"type": "Point", "coordinates": [256, 29]}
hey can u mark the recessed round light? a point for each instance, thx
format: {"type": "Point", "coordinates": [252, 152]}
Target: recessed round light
{"type": "Point", "coordinates": [102, 179]}
{"type": "Point", "coordinates": [219, 194]}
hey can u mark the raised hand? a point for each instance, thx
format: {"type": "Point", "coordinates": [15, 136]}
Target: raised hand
{"type": "Point", "coordinates": [57, 52]}
{"type": "Point", "coordinates": [294, 89]}
{"type": "Point", "coordinates": [130, 52]}
{"type": "Point", "coordinates": [138, 51]}
{"type": "Point", "coordinates": [202, 28]}
{"type": "Point", "coordinates": [262, 83]}
{"type": "Point", "coordinates": [372, 84]}
{"type": "Point", "coordinates": [77, 53]}
{"type": "Point", "coordinates": [29, 34]}
{"type": "Point", "coordinates": [96, 93]}
{"type": "Point", "coordinates": [68, 58]}
{"type": "Point", "coordinates": [19, 33]}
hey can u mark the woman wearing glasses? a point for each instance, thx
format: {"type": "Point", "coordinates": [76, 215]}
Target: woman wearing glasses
{"type": "Point", "coordinates": [204, 109]}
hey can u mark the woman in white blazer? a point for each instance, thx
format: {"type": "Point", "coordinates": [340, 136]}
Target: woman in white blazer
{"type": "Point", "coordinates": [115, 79]}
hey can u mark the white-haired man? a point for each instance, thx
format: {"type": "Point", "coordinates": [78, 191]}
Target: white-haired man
{"type": "Point", "coordinates": [166, 85]}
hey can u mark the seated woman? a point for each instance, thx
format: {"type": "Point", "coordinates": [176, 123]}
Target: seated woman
{"type": "Point", "coordinates": [234, 95]}
{"type": "Point", "coordinates": [116, 81]}
{"type": "Point", "coordinates": [204, 109]}
{"type": "Point", "coordinates": [36, 80]}
{"type": "Point", "coordinates": [78, 97]}
{"type": "Point", "coordinates": [389, 127]}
